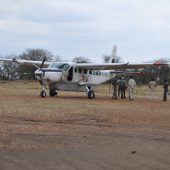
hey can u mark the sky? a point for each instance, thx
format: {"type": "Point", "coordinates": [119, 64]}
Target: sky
{"type": "Point", "coordinates": [87, 28]}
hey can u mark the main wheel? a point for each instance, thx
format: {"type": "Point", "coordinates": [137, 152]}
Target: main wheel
{"type": "Point", "coordinates": [43, 93]}
{"type": "Point", "coordinates": [52, 93]}
{"type": "Point", "coordinates": [91, 94]}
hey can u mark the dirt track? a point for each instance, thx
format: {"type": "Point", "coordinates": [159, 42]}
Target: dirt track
{"type": "Point", "coordinates": [71, 132]}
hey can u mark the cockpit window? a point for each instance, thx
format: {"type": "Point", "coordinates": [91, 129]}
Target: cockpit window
{"type": "Point", "coordinates": [61, 66]}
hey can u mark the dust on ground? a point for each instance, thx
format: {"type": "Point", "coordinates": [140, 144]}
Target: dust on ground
{"type": "Point", "coordinates": [71, 132]}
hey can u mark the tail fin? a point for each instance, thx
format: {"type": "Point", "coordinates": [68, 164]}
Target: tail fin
{"type": "Point", "coordinates": [113, 55]}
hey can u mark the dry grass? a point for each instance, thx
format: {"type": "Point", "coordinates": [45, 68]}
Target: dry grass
{"type": "Point", "coordinates": [21, 98]}
{"type": "Point", "coordinates": [70, 131]}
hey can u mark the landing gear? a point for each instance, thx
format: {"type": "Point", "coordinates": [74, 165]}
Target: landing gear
{"type": "Point", "coordinates": [91, 94]}
{"type": "Point", "coordinates": [43, 93]}
{"type": "Point", "coordinates": [52, 93]}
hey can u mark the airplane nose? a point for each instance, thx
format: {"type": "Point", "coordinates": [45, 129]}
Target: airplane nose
{"type": "Point", "coordinates": [51, 75]}
{"type": "Point", "coordinates": [39, 73]}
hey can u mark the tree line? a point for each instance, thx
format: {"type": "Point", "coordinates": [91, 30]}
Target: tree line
{"type": "Point", "coordinates": [13, 71]}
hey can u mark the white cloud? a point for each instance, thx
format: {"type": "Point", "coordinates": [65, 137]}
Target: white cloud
{"type": "Point", "coordinates": [89, 28]}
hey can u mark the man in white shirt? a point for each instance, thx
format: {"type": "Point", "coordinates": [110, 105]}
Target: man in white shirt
{"type": "Point", "coordinates": [152, 86]}
{"type": "Point", "coordinates": [131, 85]}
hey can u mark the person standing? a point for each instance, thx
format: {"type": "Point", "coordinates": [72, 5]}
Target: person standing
{"type": "Point", "coordinates": [152, 86]}
{"type": "Point", "coordinates": [119, 87]}
{"type": "Point", "coordinates": [165, 87]}
{"type": "Point", "coordinates": [131, 85]}
{"type": "Point", "coordinates": [123, 88]}
{"type": "Point", "coordinates": [114, 85]}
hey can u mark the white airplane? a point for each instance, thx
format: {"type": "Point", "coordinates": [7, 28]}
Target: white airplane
{"type": "Point", "coordinates": [70, 76]}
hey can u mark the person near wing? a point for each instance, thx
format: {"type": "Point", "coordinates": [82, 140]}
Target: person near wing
{"type": "Point", "coordinates": [123, 88]}
{"type": "Point", "coordinates": [114, 85]}
{"type": "Point", "coordinates": [165, 87]}
{"type": "Point", "coordinates": [152, 86]}
{"type": "Point", "coordinates": [131, 85]}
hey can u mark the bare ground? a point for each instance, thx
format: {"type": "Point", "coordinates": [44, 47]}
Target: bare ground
{"type": "Point", "coordinates": [71, 132]}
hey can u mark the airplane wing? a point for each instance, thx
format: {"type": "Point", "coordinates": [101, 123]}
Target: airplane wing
{"type": "Point", "coordinates": [127, 72]}
{"type": "Point", "coordinates": [104, 66]}
{"type": "Point", "coordinates": [25, 62]}
{"type": "Point", "coordinates": [115, 66]}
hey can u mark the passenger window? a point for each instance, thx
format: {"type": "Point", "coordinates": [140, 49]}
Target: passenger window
{"type": "Point", "coordinates": [90, 72]}
{"type": "Point", "coordinates": [85, 71]}
{"type": "Point", "coordinates": [80, 70]}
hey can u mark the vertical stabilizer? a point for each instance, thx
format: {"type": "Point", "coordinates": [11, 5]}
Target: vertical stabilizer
{"type": "Point", "coordinates": [113, 55]}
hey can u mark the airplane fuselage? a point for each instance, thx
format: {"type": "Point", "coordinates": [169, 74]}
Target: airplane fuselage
{"type": "Point", "coordinates": [69, 77]}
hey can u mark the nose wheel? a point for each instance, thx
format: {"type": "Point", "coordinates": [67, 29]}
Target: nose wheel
{"type": "Point", "coordinates": [43, 93]}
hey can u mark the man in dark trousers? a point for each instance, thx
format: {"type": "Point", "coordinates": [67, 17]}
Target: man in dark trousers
{"type": "Point", "coordinates": [165, 87]}
{"type": "Point", "coordinates": [123, 88]}
{"type": "Point", "coordinates": [114, 84]}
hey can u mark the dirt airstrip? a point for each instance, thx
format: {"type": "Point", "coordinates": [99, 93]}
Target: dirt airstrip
{"type": "Point", "coordinates": [71, 132]}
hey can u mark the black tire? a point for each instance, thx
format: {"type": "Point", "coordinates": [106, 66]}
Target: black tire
{"type": "Point", "coordinates": [91, 94]}
{"type": "Point", "coordinates": [52, 93]}
{"type": "Point", "coordinates": [43, 94]}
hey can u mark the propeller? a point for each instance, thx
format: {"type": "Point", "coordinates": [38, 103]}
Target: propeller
{"type": "Point", "coordinates": [42, 81]}
{"type": "Point", "coordinates": [42, 63]}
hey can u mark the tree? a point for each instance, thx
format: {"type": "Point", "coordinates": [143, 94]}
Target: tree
{"type": "Point", "coordinates": [57, 58]}
{"type": "Point", "coordinates": [9, 71]}
{"type": "Point", "coordinates": [36, 54]}
{"type": "Point", "coordinates": [164, 71]}
{"type": "Point", "coordinates": [159, 73]}
{"type": "Point", "coordinates": [106, 58]}
{"type": "Point", "coordinates": [81, 60]}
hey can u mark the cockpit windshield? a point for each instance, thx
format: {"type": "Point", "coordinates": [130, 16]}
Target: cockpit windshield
{"type": "Point", "coordinates": [61, 66]}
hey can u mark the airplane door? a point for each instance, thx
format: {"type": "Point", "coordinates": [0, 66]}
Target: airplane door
{"type": "Point", "coordinates": [70, 74]}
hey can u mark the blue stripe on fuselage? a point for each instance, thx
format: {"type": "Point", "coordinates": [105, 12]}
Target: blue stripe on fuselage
{"type": "Point", "coordinates": [51, 70]}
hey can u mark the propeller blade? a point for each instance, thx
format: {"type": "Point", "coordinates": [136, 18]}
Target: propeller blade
{"type": "Point", "coordinates": [36, 66]}
{"type": "Point", "coordinates": [28, 73]}
{"type": "Point", "coordinates": [42, 63]}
